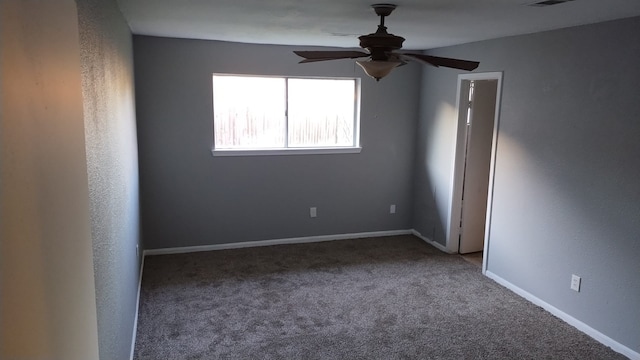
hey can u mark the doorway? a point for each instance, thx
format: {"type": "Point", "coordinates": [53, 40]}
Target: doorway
{"type": "Point", "coordinates": [478, 106]}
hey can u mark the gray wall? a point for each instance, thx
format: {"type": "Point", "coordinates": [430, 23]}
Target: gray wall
{"type": "Point", "coordinates": [434, 152]}
{"type": "Point", "coordinates": [189, 197]}
{"type": "Point", "coordinates": [566, 197]}
{"type": "Point", "coordinates": [112, 163]}
{"type": "Point", "coordinates": [48, 304]}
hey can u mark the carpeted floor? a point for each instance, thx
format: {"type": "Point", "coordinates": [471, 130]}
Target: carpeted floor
{"type": "Point", "coordinates": [378, 298]}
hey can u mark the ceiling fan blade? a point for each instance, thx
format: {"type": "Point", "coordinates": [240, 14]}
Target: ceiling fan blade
{"type": "Point", "coordinates": [304, 61]}
{"type": "Point", "coordinates": [312, 56]}
{"type": "Point", "coordinates": [446, 62]}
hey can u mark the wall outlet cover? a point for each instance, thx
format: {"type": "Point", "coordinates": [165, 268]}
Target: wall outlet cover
{"type": "Point", "coordinates": [575, 282]}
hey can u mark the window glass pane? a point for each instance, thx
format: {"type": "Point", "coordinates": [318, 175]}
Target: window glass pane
{"type": "Point", "coordinates": [321, 112]}
{"type": "Point", "coordinates": [249, 112]}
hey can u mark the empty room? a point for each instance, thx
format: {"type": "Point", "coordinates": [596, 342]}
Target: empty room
{"type": "Point", "coordinates": [319, 180]}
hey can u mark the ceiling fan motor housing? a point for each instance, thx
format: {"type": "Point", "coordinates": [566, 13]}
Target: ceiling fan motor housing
{"type": "Point", "coordinates": [380, 44]}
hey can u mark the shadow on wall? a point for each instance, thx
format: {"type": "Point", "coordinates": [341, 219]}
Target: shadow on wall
{"type": "Point", "coordinates": [434, 172]}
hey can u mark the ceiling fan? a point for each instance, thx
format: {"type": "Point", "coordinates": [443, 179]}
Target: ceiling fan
{"type": "Point", "coordinates": [381, 47]}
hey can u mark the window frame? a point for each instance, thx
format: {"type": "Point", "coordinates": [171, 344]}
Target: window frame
{"type": "Point", "coordinates": [354, 149]}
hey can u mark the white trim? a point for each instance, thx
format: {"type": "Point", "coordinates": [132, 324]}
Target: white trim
{"type": "Point", "coordinates": [600, 337]}
{"type": "Point", "coordinates": [135, 318]}
{"type": "Point", "coordinates": [453, 217]}
{"type": "Point", "coordinates": [354, 148]}
{"type": "Point", "coordinates": [492, 173]}
{"type": "Point", "coordinates": [287, 151]}
{"type": "Point", "coordinates": [431, 242]}
{"type": "Point", "coordinates": [297, 240]}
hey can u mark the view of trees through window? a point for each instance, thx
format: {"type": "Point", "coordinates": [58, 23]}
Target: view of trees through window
{"type": "Point", "coordinates": [253, 112]}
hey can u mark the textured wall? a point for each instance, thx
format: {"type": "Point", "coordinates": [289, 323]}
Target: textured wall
{"type": "Point", "coordinates": [47, 303]}
{"type": "Point", "coordinates": [189, 197]}
{"type": "Point", "coordinates": [566, 197]}
{"type": "Point", "coordinates": [112, 164]}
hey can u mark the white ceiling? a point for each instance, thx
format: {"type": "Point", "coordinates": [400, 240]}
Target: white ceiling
{"type": "Point", "coordinates": [425, 24]}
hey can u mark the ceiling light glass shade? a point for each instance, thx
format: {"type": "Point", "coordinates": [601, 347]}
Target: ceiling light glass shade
{"type": "Point", "coordinates": [378, 69]}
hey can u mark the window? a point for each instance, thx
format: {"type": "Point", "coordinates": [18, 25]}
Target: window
{"type": "Point", "coordinates": [258, 115]}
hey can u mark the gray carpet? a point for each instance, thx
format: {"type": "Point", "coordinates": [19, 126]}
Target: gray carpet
{"type": "Point", "coordinates": [377, 298]}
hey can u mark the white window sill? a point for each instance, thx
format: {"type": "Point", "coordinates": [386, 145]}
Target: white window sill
{"type": "Point", "coordinates": [289, 151]}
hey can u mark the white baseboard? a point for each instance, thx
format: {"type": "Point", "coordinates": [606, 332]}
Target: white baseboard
{"type": "Point", "coordinates": [600, 337]}
{"type": "Point", "coordinates": [135, 318]}
{"type": "Point", "coordinates": [431, 242]}
{"type": "Point", "coordinates": [297, 240]}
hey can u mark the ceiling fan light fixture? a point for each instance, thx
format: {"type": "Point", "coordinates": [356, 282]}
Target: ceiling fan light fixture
{"type": "Point", "coordinates": [378, 69]}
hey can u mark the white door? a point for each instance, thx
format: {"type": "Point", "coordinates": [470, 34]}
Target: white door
{"type": "Point", "coordinates": [480, 109]}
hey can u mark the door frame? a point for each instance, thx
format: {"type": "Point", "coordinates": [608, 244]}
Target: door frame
{"type": "Point", "coordinates": [459, 149]}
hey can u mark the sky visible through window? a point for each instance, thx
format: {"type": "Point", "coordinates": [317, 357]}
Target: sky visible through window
{"type": "Point", "coordinates": [251, 112]}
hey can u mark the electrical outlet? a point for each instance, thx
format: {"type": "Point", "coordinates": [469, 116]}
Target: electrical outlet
{"type": "Point", "coordinates": [313, 212]}
{"type": "Point", "coordinates": [575, 282]}
{"type": "Point", "coordinates": [392, 209]}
